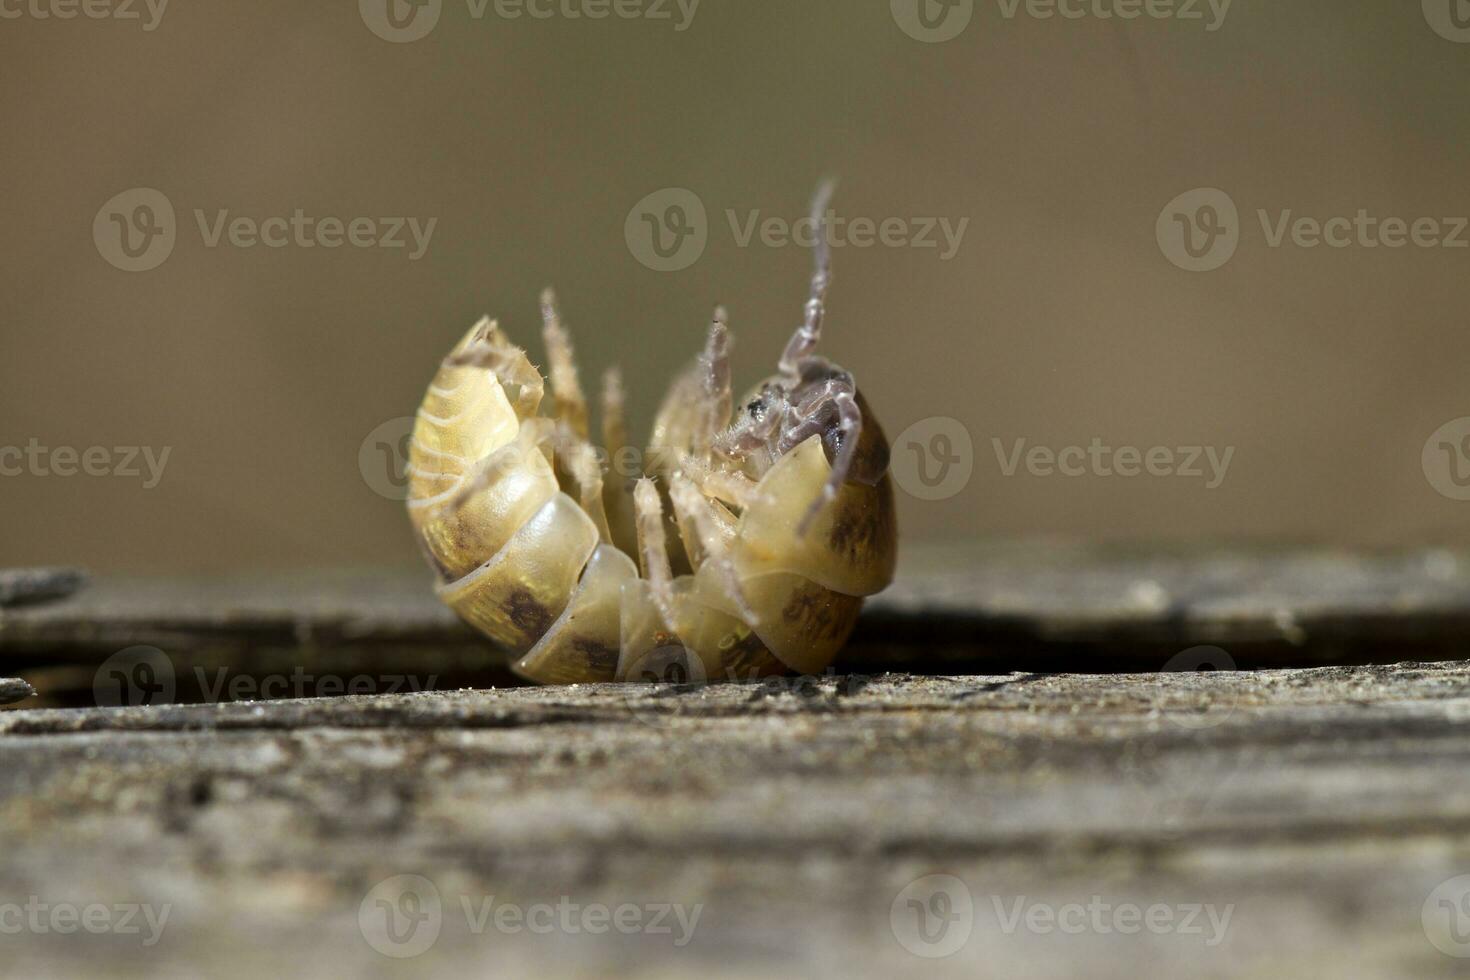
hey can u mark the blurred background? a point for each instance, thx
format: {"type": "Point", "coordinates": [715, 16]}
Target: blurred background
{"type": "Point", "coordinates": [1051, 147]}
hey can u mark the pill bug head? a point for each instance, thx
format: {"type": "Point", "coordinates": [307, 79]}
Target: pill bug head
{"type": "Point", "coordinates": [741, 546]}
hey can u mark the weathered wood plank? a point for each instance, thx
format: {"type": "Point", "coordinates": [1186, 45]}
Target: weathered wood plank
{"type": "Point", "coordinates": [12, 690]}
{"type": "Point", "coordinates": [977, 608]}
{"type": "Point", "coordinates": [19, 585]}
{"type": "Point", "coordinates": [1322, 807]}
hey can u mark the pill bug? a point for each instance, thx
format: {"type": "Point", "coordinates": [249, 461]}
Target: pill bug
{"type": "Point", "coordinates": [782, 509]}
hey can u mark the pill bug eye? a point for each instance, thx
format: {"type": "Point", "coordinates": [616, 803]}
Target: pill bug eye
{"type": "Point", "coordinates": [782, 510]}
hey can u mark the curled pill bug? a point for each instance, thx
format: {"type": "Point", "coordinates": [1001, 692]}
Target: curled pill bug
{"type": "Point", "coordinates": [782, 509]}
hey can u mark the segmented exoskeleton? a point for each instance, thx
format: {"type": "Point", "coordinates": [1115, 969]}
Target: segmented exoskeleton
{"type": "Point", "coordinates": [783, 515]}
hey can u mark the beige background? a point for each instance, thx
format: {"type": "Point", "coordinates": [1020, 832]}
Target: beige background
{"type": "Point", "coordinates": [1059, 319]}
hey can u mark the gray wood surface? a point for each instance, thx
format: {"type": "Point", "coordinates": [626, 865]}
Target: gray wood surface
{"type": "Point", "coordinates": [18, 585]}
{"type": "Point", "coordinates": [992, 607]}
{"type": "Point", "coordinates": [1282, 822]}
{"type": "Point", "coordinates": [1322, 807]}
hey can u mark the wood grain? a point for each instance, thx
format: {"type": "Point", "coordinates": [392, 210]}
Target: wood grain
{"type": "Point", "coordinates": [1322, 806]}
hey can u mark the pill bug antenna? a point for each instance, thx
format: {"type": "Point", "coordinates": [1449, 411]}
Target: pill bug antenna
{"type": "Point", "coordinates": [805, 340]}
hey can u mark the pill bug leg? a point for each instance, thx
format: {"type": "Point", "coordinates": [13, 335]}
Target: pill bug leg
{"type": "Point", "coordinates": [566, 386]}
{"type": "Point", "coordinates": [653, 550]}
{"type": "Point", "coordinates": [707, 536]}
{"type": "Point", "coordinates": [617, 492]}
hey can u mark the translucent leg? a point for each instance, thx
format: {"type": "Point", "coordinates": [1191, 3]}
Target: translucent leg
{"type": "Point", "coordinates": [711, 544]}
{"type": "Point", "coordinates": [580, 461]}
{"type": "Point", "coordinates": [566, 387]}
{"type": "Point", "coordinates": [836, 397]}
{"type": "Point", "coordinates": [714, 413]}
{"type": "Point", "coordinates": [653, 550]}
